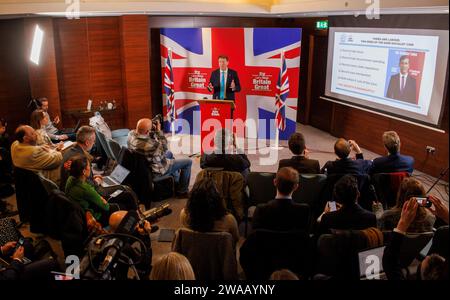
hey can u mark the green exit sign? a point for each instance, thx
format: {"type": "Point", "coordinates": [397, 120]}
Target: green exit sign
{"type": "Point", "coordinates": [322, 24]}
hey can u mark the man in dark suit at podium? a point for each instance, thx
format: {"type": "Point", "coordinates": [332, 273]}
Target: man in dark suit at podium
{"type": "Point", "coordinates": [224, 82]}
{"type": "Point", "coordinates": [402, 86]}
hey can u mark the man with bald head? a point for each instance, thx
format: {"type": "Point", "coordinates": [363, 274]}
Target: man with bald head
{"type": "Point", "coordinates": [344, 164]}
{"type": "Point", "coordinates": [282, 214]}
{"type": "Point", "coordinates": [149, 140]}
{"type": "Point", "coordinates": [26, 155]}
{"type": "Point", "coordinates": [133, 248]}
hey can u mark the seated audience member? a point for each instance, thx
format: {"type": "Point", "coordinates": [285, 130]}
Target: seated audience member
{"type": "Point", "coordinates": [283, 274]}
{"type": "Point", "coordinates": [85, 140]}
{"type": "Point", "coordinates": [424, 219]}
{"type": "Point", "coordinates": [434, 266]}
{"type": "Point", "coordinates": [83, 146]}
{"type": "Point", "coordinates": [226, 155]}
{"type": "Point", "coordinates": [172, 266]}
{"type": "Point", "coordinates": [205, 210]}
{"type": "Point", "coordinates": [142, 232]}
{"type": "Point", "coordinates": [27, 155]}
{"type": "Point", "coordinates": [281, 213]}
{"type": "Point", "coordinates": [394, 161]}
{"type": "Point", "coordinates": [79, 190]}
{"type": "Point", "coordinates": [39, 265]}
{"type": "Point", "coordinates": [16, 266]}
{"type": "Point", "coordinates": [344, 164]}
{"type": "Point", "coordinates": [349, 215]}
{"type": "Point", "coordinates": [149, 140]}
{"type": "Point", "coordinates": [38, 121]}
{"type": "Point", "coordinates": [54, 133]}
{"type": "Point", "coordinates": [299, 161]}
{"type": "Point", "coordinates": [5, 154]}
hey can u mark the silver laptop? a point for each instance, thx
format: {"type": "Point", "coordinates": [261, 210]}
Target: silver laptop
{"type": "Point", "coordinates": [117, 176]}
{"type": "Point", "coordinates": [371, 264]}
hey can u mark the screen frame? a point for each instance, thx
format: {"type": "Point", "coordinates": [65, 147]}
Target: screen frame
{"type": "Point", "coordinates": [440, 79]}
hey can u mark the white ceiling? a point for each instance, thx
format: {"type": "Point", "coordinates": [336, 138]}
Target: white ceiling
{"type": "Point", "coordinates": [275, 8]}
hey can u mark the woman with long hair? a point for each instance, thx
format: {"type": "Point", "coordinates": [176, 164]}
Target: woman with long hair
{"type": "Point", "coordinates": [38, 121]}
{"type": "Point", "coordinates": [424, 220]}
{"type": "Point", "coordinates": [205, 210]}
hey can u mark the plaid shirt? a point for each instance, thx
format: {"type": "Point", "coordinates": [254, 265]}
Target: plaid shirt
{"type": "Point", "coordinates": [153, 147]}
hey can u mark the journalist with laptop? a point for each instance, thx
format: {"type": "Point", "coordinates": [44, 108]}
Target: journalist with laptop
{"type": "Point", "coordinates": [105, 187]}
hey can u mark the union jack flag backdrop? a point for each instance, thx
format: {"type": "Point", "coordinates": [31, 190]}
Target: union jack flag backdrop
{"type": "Point", "coordinates": [169, 89]}
{"type": "Point", "coordinates": [255, 53]}
{"type": "Point", "coordinates": [281, 95]}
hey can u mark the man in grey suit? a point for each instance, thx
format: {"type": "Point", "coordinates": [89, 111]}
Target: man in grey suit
{"type": "Point", "coordinates": [402, 86]}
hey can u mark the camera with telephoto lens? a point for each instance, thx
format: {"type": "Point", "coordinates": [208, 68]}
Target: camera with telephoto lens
{"type": "Point", "coordinates": [157, 118]}
{"type": "Point", "coordinates": [152, 215]}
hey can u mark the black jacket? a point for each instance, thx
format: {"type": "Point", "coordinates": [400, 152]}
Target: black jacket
{"type": "Point", "coordinates": [391, 257]}
{"type": "Point", "coordinates": [302, 164]}
{"type": "Point", "coordinates": [229, 93]}
{"type": "Point", "coordinates": [281, 215]}
{"type": "Point", "coordinates": [13, 271]}
{"type": "Point", "coordinates": [348, 217]}
{"type": "Point", "coordinates": [347, 165]}
{"type": "Point", "coordinates": [229, 162]}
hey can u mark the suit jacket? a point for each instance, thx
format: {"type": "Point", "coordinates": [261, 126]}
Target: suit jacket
{"type": "Point", "coordinates": [409, 92]}
{"type": "Point", "coordinates": [281, 215]}
{"type": "Point", "coordinates": [359, 166]}
{"type": "Point", "coordinates": [393, 163]}
{"type": "Point", "coordinates": [302, 164]}
{"type": "Point", "coordinates": [229, 93]}
{"type": "Point", "coordinates": [348, 217]}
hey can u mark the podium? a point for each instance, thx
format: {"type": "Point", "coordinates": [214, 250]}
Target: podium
{"type": "Point", "coordinates": [213, 112]}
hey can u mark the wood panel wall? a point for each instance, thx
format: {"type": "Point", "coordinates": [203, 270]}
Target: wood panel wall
{"type": "Point", "coordinates": [43, 78]}
{"type": "Point", "coordinates": [14, 86]}
{"type": "Point", "coordinates": [135, 57]}
{"type": "Point", "coordinates": [89, 65]}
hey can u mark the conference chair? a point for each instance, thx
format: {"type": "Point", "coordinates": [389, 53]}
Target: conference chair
{"type": "Point", "coordinates": [412, 246]}
{"type": "Point", "coordinates": [265, 251]}
{"type": "Point", "coordinates": [231, 188]}
{"type": "Point", "coordinates": [147, 187]}
{"type": "Point", "coordinates": [212, 254]}
{"type": "Point", "coordinates": [337, 253]}
{"type": "Point", "coordinates": [115, 148]}
{"type": "Point", "coordinates": [66, 221]}
{"type": "Point", "coordinates": [32, 198]}
{"type": "Point", "coordinates": [260, 189]}
{"type": "Point", "coordinates": [366, 195]}
{"type": "Point", "coordinates": [311, 187]}
{"type": "Point", "coordinates": [104, 143]}
{"type": "Point", "coordinates": [386, 186]}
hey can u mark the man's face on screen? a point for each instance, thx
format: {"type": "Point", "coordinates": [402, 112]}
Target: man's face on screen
{"type": "Point", "coordinates": [404, 66]}
{"type": "Point", "coordinates": [223, 64]}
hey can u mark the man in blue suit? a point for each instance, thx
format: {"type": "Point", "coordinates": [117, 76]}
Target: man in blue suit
{"type": "Point", "coordinates": [394, 162]}
{"type": "Point", "coordinates": [224, 82]}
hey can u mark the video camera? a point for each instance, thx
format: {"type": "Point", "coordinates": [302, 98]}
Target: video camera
{"type": "Point", "coordinates": [108, 256]}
